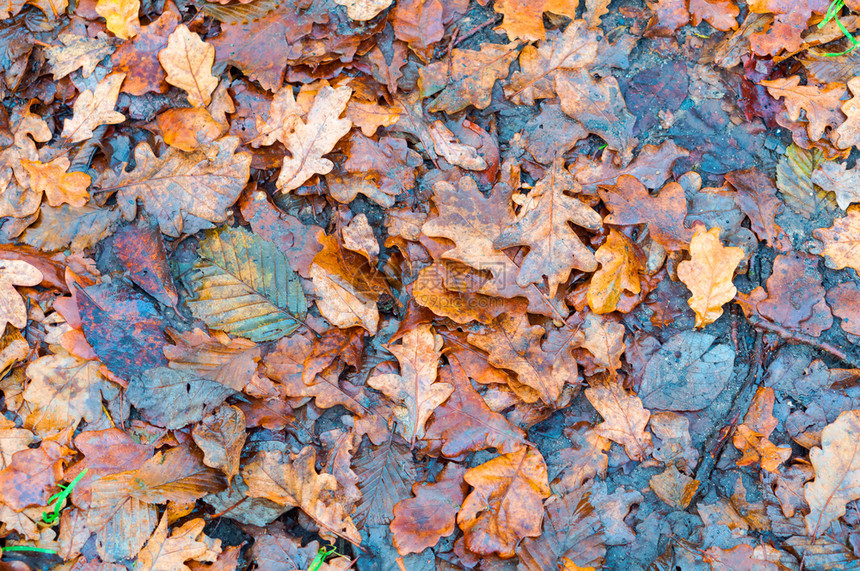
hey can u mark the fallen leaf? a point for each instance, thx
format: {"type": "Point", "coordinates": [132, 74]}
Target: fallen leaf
{"type": "Point", "coordinates": [794, 180]}
{"type": "Point", "coordinates": [386, 474]}
{"type": "Point", "coordinates": [844, 300]}
{"type": "Point", "coordinates": [363, 10]}
{"type": "Point", "coordinates": [32, 475]}
{"type": "Point", "coordinates": [58, 185]}
{"type": "Point", "coordinates": [414, 391]}
{"type": "Point", "coordinates": [664, 214]}
{"type": "Point", "coordinates": [674, 445]}
{"type": "Point", "coordinates": [757, 198]}
{"type": "Point", "coordinates": [455, 152]}
{"type": "Point", "coordinates": [721, 14]}
{"type": "Point", "coordinates": [177, 474]}
{"type": "Point", "coordinates": [687, 373]}
{"type": "Point", "coordinates": [183, 191]}
{"type": "Point", "coordinates": [12, 307]}
{"type": "Point", "coordinates": [341, 304]}
{"type": "Point", "coordinates": [834, 177]}
{"type": "Point", "coordinates": [162, 553]}
{"type": "Point", "coordinates": [600, 107]}
{"type": "Point", "coordinates": [624, 418]}
{"type": "Point", "coordinates": [738, 558]}
{"type": "Point", "coordinates": [795, 297]}
{"type": "Point", "coordinates": [420, 522]}
{"type": "Point", "coordinates": [77, 52]}
{"type": "Point", "coordinates": [221, 437]}
{"type": "Point", "coordinates": [620, 266]}
{"type": "Point", "coordinates": [674, 488]}
{"type": "Point", "coordinates": [840, 240]}
{"type": "Point", "coordinates": [140, 249]}
{"type": "Point", "coordinates": [467, 79]}
{"type": "Point", "coordinates": [188, 128]}
{"type": "Point", "coordinates": [309, 140]}
{"type": "Point", "coordinates": [837, 469]}
{"type": "Point", "coordinates": [231, 362]}
{"type": "Point", "coordinates": [571, 536]}
{"type": "Point", "coordinates": [418, 23]}
{"type": "Point", "coordinates": [524, 20]}
{"type": "Point", "coordinates": [822, 106]}
{"type": "Point", "coordinates": [245, 286]}
{"type": "Point", "coordinates": [554, 248]}
{"type": "Point", "coordinates": [583, 461]}
{"type": "Point", "coordinates": [604, 339]}
{"type": "Point", "coordinates": [93, 109]}
{"type": "Point", "coordinates": [505, 504]}
{"type": "Point", "coordinates": [651, 167]}
{"type": "Point", "coordinates": [121, 16]}
{"type": "Point", "coordinates": [138, 59]}
{"type": "Point", "coordinates": [174, 398]}
{"type": "Point", "coordinates": [847, 133]}
{"type": "Point", "coordinates": [188, 62]}
{"type": "Point", "coordinates": [708, 275]}
{"type": "Point", "coordinates": [752, 437]}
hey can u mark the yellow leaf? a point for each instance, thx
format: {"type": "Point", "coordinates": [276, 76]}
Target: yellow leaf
{"type": "Point", "coordinates": [339, 302]}
{"type": "Point", "coordinates": [58, 185]}
{"type": "Point", "coordinates": [708, 275]}
{"type": "Point", "coordinates": [188, 62]}
{"type": "Point", "coordinates": [619, 271]}
{"type": "Point", "coordinates": [121, 16]}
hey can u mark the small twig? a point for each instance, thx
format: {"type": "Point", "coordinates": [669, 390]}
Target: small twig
{"type": "Point", "coordinates": [475, 30]}
{"type": "Point", "coordinates": [801, 338]}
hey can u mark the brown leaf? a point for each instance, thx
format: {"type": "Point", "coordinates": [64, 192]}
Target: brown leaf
{"type": "Point", "coordinates": [837, 469]}
{"type": "Point", "coordinates": [414, 391]}
{"type": "Point", "coordinates": [721, 14]}
{"type": "Point", "coordinates": [675, 446]}
{"type": "Point", "coordinates": [554, 248]}
{"type": "Point", "coordinates": [505, 505]}
{"type": "Point", "coordinates": [583, 461]}
{"type": "Point", "coordinates": [178, 188]}
{"type": "Point", "coordinates": [652, 167]}
{"type": "Point", "coordinates": [524, 20]}
{"type": "Point", "coordinates": [94, 108]}
{"type": "Point", "coordinates": [574, 48]}
{"type": "Point", "coordinates": [600, 107]}
{"type": "Point", "coordinates": [309, 140]}
{"type": "Point", "coordinates": [58, 185]}
{"type": "Point", "coordinates": [620, 265]}
{"type": "Point", "coordinates": [292, 480]}
{"type": "Point", "coordinates": [282, 117]}
{"type": "Point", "coordinates": [189, 128]}
{"type": "Point", "coordinates": [140, 249]}
{"type": "Point", "coordinates": [418, 23]}
{"type": "Point", "coordinates": [221, 437]}
{"type": "Point", "coordinates": [341, 304]}
{"type": "Point", "coordinates": [708, 274]}
{"type": "Point", "coordinates": [231, 362]}
{"type": "Point", "coordinates": [177, 475]}
{"type": "Point", "coordinates": [822, 106]}
{"type": "Point", "coordinates": [848, 133]}
{"type": "Point", "coordinates": [387, 164]}
{"type": "Point", "coordinates": [674, 488]}
{"type": "Point", "coordinates": [839, 241]}
{"type": "Point", "coordinates": [363, 10]}
{"type": "Point", "coordinates": [752, 437]}
{"type": "Point", "coordinates": [739, 558]}
{"type": "Point", "coordinates": [12, 307]}
{"type": "Point", "coordinates": [571, 536]}
{"type": "Point", "coordinates": [188, 62]}
{"type": "Point", "coordinates": [138, 59]}
{"type": "Point", "coordinates": [32, 475]}
{"type": "Point", "coordinates": [467, 79]}
{"type": "Point", "coordinates": [844, 300]}
{"type": "Point", "coordinates": [795, 296]}
{"type": "Point", "coordinates": [385, 473]}
{"type": "Point", "coordinates": [604, 339]}
{"type": "Point", "coordinates": [420, 522]}
{"type": "Point", "coordinates": [514, 344]}
{"type": "Point", "coordinates": [163, 553]}
{"type": "Point", "coordinates": [464, 423]}
{"type": "Point", "coordinates": [174, 398]}
{"type": "Point", "coordinates": [757, 198]}
{"type": "Point", "coordinates": [624, 418]}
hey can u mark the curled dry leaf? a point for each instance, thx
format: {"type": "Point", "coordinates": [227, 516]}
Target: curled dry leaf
{"type": "Point", "coordinates": [708, 275]}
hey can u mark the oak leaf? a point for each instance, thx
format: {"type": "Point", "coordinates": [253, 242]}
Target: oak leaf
{"type": "Point", "coordinates": [32, 474]}
{"type": "Point", "coordinates": [574, 48]}
{"type": "Point", "coordinates": [506, 502]}
{"type": "Point", "coordinates": [12, 307]}
{"type": "Point", "coordinates": [664, 214]}
{"type": "Point", "coordinates": [554, 248]}
{"type": "Point", "coordinates": [188, 62]}
{"type": "Point", "coordinates": [757, 198]}
{"type": "Point", "coordinates": [583, 461]}
{"type": "Point", "coordinates": [752, 437]}
{"type": "Point", "coordinates": [292, 480]}
{"type": "Point", "coordinates": [312, 138]}
{"type": "Point", "coordinates": [415, 391]}
{"type": "Point", "coordinates": [524, 20]}
{"type": "Point", "coordinates": [138, 59]}
{"type": "Point", "coordinates": [721, 14]}
{"type": "Point", "coordinates": [173, 398]}
{"type": "Point", "coordinates": [177, 474]}
{"type": "Point", "coordinates": [65, 390]}
{"type": "Point", "coordinates": [839, 242]}
{"type": "Point", "coordinates": [708, 274]}
{"type": "Point", "coordinates": [794, 180]}
{"type": "Point", "coordinates": [467, 79]}
{"type": "Point", "coordinates": [600, 107]}
{"type": "Point", "coordinates": [675, 446]}
{"type": "Point", "coordinates": [452, 150]}
{"type": "Point", "coordinates": [837, 178]}
{"type": "Point", "coordinates": [652, 167]}
{"type": "Point", "coordinates": [121, 16]}
{"type": "Point", "coordinates": [283, 114]}
{"type": "Point", "coordinates": [604, 339]}
{"type": "Point", "coordinates": [77, 52]}
{"type": "Point", "coordinates": [94, 108]}
{"type": "Point", "coordinates": [221, 437]}
{"type": "Point", "coordinates": [514, 344]}
{"type": "Point", "coordinates": [386, 474]}
{"type": "Point", "coordinates": [189, 128]}
{"type": "Point", "coordinates": [70, 227]}
{"type": "Point", "coordinates": [364, 10]}
{"type": "Point", "coordinates": [418, 23]}
{"type": "Point", "coordinates": [162, 553]}
{"type": "Point", "coordinates": [58, 185]}
{"type": "Point", "coordinates": [183, 191]}
{"type": "Point", "coordinates": [675, 488]}
{"type": "Point", "coordinates": [822, 105]}
{"type": "Point", "coordinates": [231, 362]}
{"type": "Point", "coordinates": [341, 304]}
{"type": "Point", "coordinates": [620, 265]}
{"type": "Point", "coordinates": [464, 423]}
{"type": "Point", "coordinates": [837, 473]}
{"type": "Point", "coordinates": [848, 133]}
{"type": "Point", "coordinates": [245, 286]}
{"type": "Point", "coordinates": [420, 522]}
{"type": "Point", "coordinates": [624, 418]}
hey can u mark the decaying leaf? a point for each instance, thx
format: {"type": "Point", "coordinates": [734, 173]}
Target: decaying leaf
{"type": "Point", "coordinates": [58, 185]}
{"type": "Point", "coordinates": [752, 437]}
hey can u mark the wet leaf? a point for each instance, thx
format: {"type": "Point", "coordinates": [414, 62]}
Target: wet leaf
{"type": "Point", "coordinates": [620, 266]}
{"type": "Point", "coordinates": [94, 108]}
{"type": "Point", "coordinates": [624, 418]}
{"type": "Point", "coordinates": [524, 20]}
{"type": "Point", "coordinates": [221, 437]}
{"type": "Point", "coordinates": [708, 275]}
{"type": "Point", "coordinates": [752, 437]}
{"type": "Point", "coordinates": [121, 15]}
{"type": "Point", "coordinates": [188, 62]}
{"type": "Point", "coordinates": [58, 185]}
{"type": "Point", "coordinates": [13, 310]}
{"type": "Point", "coordinates": [822, 106]}
{"type": "Point", "coordinates": [674, 488]}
